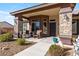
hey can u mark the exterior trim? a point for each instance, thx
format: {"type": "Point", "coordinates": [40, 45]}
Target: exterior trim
{"type": "Point", "coordinates": [41, 7]}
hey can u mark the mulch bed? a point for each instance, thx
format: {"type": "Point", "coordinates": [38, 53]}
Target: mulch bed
{"type": "Point", "coordinates": [67, 52]}
{"type": "Point", "coordinates": [12, 48]}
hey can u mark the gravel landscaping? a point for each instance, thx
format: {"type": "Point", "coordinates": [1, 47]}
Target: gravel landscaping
{"type": "Point", "coordinates": [11, 48]}
{"type": "Point", "coordinates": [66, 52]}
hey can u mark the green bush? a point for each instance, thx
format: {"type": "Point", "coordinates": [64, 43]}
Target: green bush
{"type": "Point", "coordinates": [56, 50]}
{"type": "Point", "coordinates": [2, 38]}
{"type": "Point", "coordinates": [5, 37]}
{"type": "Point", "coordinates": [20, 41]}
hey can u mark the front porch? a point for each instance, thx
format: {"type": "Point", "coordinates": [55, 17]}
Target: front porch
{"type": "Point", "coordinates": [45, 21]}
{"type": "Point", "coordinates": [50, 19]}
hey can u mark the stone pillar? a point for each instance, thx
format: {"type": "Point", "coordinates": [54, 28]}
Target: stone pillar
{"type": "Point", "coordinates": [65, 25]}
{"type": "Point", "coordinates": [18, 26]}
{"type": "Point", "coordinates": [25, 28]}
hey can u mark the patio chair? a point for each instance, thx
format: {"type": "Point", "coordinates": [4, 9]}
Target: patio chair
{"type": "Point", "coordinates": [37, 34]}
{"type": "Point", "coordinates": [34, 34]}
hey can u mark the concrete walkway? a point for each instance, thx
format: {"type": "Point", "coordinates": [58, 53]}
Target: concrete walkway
{"type": "Point", "coordinates": [34, 39]}
{"type": "Point", "coordinates": [39, 49]}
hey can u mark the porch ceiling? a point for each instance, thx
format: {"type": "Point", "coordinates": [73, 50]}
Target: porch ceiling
{"type": "Point", "coordinates": [49, 12]}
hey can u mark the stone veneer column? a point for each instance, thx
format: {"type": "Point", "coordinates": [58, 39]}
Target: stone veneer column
{"type": "Point", "coordinates": [25, 27]}
{"type": "Point", "coordinates": [65, 25]}
{"type": "Point", "coordinates": [18, 26]}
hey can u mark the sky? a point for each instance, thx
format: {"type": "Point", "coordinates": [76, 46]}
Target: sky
{"type": "Point", "coordinates": [6, 8]}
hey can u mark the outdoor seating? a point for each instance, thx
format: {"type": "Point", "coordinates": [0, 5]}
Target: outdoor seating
{"type": "Point", "coordinates": [34, 34]}
{"type": "Point", "coordinates": [37, 34]}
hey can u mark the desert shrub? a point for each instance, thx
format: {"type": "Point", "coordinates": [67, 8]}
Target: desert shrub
{"type": "Point", "coordinates": [56, 50]}
{"type": "Point", "coordinates": [2, 38]}
{"type": "Point", "coordinates": [20, 41]}
{"type": "Point", "coordinates": [5, 37]}
{"type": "Point", "coordinates": [74, 37]}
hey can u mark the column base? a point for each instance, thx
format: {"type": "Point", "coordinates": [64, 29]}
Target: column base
{"type": "Point", "coordinates": [66, 41]}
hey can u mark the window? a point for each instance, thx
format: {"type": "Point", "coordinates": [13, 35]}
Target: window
{"type": "Point", "coordinates": [24, 27]}
{"type": "Point", "coordinates": [36, 25]}
{"type": "Point", "coordinates": [74, 27]}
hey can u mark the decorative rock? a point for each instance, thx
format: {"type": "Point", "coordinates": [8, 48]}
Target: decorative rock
{"type": "Point", "coordinates": [5, 48]}
{"type": "Point", "coordinates": [0, 47]}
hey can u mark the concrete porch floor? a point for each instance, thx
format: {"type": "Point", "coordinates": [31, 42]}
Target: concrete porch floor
{"type": "Point", "coordinates": [34, 39]}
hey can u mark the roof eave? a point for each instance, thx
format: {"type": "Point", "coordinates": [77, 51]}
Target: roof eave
{"type": "Point", "coordinates": [31, 8]}
{"type": "Point", "coordinates": [34, 7]}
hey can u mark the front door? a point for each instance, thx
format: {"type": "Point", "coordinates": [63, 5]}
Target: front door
{"type": "Point", "coordinates": [53, 29]}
